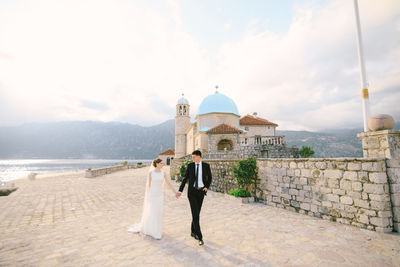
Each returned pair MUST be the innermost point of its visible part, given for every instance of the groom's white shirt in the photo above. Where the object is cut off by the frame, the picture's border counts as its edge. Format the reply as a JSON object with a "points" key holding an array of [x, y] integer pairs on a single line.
{"points": [[200, 176]]}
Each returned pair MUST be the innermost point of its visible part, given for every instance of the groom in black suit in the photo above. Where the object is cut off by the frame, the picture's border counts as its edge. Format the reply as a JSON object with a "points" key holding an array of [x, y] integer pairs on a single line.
{"points": [[198, 173]]}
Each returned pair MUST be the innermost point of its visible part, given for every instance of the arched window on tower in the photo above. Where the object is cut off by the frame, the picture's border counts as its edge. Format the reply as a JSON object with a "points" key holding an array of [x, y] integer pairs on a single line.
{"points": [[184, 110], [180, 110]]}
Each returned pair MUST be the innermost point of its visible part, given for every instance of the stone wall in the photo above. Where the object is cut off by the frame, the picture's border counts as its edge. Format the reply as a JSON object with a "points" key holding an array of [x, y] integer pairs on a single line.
{"points": [[364, 192], [349, 191], [393, 172]]}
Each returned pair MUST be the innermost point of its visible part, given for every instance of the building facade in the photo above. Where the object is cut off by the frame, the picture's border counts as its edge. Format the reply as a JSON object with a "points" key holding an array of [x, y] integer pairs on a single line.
{"points": [[218, 131]]}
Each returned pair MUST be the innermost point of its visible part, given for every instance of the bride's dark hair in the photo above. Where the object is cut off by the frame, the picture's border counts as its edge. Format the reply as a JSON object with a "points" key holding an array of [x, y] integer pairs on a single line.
{"points": [[156, 161]]}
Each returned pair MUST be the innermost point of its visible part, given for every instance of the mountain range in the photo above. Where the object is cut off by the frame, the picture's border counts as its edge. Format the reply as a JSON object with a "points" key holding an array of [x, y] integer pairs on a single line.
{"points": [[116, 140]]}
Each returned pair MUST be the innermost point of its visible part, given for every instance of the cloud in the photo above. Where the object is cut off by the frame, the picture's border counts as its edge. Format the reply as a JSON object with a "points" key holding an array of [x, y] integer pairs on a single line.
{"points": [[53, 54], [308, 77], [121, 60]]}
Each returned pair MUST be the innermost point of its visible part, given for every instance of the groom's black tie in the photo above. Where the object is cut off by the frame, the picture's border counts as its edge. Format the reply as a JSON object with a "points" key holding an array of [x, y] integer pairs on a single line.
{"points": [[196, 183]]}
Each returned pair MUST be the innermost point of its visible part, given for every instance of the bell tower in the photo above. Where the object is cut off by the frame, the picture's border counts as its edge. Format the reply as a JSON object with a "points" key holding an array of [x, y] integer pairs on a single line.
{"points": [[182, 123]]}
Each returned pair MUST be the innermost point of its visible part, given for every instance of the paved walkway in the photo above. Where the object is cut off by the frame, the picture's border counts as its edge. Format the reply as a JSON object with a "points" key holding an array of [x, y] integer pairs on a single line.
{"points": [[69, 220]]}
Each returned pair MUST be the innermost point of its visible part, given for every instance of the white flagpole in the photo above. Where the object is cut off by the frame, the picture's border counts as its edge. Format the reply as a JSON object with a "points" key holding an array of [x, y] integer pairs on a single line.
{"points": [[364, 88]]}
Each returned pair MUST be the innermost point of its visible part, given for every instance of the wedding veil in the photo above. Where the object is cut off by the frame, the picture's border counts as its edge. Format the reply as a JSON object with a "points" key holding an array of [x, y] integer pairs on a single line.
{"points": [[146, 205]]}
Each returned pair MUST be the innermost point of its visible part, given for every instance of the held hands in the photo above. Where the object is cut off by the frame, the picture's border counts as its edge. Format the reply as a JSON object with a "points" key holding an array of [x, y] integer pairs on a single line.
{"points": [[177, 195]]}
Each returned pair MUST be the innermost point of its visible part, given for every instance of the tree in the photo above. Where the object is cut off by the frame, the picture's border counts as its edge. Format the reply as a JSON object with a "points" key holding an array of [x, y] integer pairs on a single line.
{"points": [[306, 152]]}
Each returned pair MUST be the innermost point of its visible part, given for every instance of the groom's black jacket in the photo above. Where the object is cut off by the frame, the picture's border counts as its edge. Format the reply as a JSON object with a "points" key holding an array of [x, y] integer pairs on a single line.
{"points": [[191, 176]]}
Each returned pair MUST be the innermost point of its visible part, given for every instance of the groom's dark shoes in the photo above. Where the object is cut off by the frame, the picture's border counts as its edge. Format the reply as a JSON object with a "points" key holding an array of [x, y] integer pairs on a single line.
{"points": [[194, 236], [201, 242]]}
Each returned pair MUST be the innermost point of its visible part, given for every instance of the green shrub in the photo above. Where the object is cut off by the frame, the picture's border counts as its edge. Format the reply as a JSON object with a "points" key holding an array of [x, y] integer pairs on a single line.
{"points": [[239, 193], [124, 163], [246, 174], [306, 152], [183, 167], [139, 163]]}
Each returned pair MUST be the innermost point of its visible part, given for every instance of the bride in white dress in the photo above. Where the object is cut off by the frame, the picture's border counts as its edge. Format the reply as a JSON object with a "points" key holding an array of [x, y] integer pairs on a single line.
{"points": [[151, 222]]}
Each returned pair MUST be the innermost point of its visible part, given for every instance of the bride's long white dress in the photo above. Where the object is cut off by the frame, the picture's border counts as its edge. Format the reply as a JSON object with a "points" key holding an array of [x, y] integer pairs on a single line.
{"points": [[151, 222]]}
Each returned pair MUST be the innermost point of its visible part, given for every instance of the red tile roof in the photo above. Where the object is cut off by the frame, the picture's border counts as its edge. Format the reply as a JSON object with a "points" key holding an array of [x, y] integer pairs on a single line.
{"points": [[252, 120], [224, 128], [170, 151]]}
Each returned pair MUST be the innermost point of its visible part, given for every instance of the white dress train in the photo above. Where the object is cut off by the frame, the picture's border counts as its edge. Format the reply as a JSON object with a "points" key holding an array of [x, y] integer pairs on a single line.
{"points": [[151, 221]]}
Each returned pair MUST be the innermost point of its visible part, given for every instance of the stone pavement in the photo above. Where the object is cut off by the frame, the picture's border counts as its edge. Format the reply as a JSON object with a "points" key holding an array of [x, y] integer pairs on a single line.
{"points": [[69, 220]]}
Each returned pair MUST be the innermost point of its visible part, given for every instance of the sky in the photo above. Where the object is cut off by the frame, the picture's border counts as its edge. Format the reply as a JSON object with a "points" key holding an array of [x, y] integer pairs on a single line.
{"points": [[294, 62]]}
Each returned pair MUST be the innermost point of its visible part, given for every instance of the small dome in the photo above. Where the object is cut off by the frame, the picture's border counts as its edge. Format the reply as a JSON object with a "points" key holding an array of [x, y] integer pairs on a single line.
{"points": [[217, 103], [183, 101]]}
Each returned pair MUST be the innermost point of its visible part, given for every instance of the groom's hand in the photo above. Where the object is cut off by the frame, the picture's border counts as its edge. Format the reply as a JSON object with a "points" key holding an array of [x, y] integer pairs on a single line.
{"points": [[178, 195], [205, 189]]}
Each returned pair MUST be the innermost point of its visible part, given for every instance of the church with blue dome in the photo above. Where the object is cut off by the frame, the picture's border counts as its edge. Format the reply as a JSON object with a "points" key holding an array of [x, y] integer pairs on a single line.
{"points": [[219, 131]]}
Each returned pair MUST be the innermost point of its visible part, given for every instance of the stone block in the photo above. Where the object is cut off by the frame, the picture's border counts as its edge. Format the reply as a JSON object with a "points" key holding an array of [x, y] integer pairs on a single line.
{"points": [[347, 214], [383, 229], [305, 206], [351, 209], [363, 176], [314, 208], [350, 175], [320, 165], [356, 186], [396, 226], [396, 214], [325, 190], [393, 163], [293, 165], [306, 188], [354, 166], [362, 218], [276, 199], [380, 205], [294, 203], [379, 197], [346, 200], [303, 181], [385, 214], [333, 198], [361, 203], [378, 177], [366, 166], [323, 210], [354, 194], [327, 204], [333, 183], [344, 184], [339, 191], [395, 188], [335, 174], [393, 175], [395, 199], [293, 192], [374, 188], [380, 222]]}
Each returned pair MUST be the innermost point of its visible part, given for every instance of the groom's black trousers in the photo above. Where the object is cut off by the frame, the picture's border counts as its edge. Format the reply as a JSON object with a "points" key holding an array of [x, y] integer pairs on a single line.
{"points": [[196, 201]]}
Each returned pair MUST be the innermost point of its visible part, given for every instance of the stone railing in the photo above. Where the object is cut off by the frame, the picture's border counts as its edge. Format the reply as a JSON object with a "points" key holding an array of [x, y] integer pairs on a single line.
{"points": [[90, 173], [262, 140]]}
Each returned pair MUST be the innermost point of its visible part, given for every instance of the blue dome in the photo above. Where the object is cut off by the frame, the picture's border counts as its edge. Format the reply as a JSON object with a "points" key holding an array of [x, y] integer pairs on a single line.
{"points": [[217, 103]]}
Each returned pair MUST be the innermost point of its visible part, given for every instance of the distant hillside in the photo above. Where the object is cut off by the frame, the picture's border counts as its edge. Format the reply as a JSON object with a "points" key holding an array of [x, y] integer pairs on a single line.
{"points": [[328, 143], [90, 139], [86, 139]]}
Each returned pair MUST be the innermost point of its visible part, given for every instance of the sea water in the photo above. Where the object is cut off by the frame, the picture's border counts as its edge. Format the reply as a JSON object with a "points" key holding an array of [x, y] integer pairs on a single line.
{"points": [[11, 169]]}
